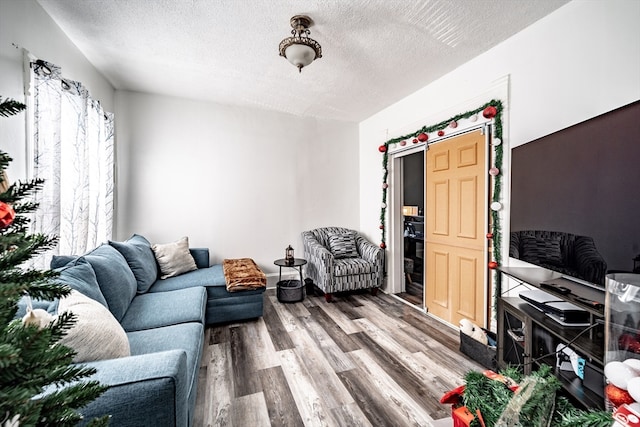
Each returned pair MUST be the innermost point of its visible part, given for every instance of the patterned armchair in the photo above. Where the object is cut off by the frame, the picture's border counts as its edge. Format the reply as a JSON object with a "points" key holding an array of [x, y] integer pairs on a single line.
{"points": [[566, 253], [341, 259]]}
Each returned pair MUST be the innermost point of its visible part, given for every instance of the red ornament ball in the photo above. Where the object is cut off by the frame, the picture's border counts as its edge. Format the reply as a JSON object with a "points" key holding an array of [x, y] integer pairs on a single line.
{"points": [[440, 133], [7, 214], [383, 245], [629, 342], [381, 226], [493, 265], [453, 124], [423, 137], [617, 396], [403, 143], [489, 112], [382, 149], [489, 235], [415, 140]]}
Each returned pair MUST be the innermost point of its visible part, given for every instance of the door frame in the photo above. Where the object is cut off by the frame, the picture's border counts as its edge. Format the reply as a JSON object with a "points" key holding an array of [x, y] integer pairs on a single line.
{"points": [[396, 229], [396, 219]]}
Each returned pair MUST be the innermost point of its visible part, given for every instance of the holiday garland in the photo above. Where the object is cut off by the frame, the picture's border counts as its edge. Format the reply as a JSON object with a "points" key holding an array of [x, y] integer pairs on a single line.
{"points": [[543, 405], [491, 110]]}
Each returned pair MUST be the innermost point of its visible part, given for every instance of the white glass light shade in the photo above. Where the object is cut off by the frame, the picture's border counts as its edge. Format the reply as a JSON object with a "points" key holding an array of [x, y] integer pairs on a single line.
{"points": [[300, 55], [300, 49]]}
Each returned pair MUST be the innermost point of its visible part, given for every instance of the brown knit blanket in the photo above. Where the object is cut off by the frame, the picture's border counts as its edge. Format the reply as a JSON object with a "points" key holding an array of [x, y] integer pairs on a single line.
{"points": [[243, 274]]}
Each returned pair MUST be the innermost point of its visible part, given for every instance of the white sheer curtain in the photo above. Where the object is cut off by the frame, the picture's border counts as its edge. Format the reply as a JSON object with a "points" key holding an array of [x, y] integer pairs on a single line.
{"points": [[73, 152]]}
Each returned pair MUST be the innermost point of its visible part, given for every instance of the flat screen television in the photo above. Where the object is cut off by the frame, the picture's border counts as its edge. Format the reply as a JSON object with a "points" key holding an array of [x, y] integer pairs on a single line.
{"points": [[575, 198]]}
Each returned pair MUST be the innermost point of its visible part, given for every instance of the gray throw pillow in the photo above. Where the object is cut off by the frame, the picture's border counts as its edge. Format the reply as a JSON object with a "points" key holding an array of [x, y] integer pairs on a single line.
{"points": [[343, 245], [137, 251], [79, 275], [174, 258], [116, 280]]}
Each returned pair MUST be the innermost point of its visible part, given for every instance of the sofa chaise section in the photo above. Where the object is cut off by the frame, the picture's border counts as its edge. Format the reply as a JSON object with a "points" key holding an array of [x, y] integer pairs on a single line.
{"points": [[222, 306]]}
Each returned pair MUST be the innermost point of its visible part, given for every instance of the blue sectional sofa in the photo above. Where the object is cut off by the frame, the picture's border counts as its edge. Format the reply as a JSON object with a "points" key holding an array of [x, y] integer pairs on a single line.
{"points": [[164, 321]]}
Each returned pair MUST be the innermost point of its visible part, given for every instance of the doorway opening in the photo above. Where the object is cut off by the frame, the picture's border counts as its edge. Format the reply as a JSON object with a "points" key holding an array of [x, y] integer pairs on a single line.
{"points": [[412, 166], [439, 222]]}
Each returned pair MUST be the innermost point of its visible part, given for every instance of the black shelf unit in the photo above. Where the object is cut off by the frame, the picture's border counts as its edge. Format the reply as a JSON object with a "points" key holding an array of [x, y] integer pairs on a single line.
{"points": [[527, 337], [414, 250]]}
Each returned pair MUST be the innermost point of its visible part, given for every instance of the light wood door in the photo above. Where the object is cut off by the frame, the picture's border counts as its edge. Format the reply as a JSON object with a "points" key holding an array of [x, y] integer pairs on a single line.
{"points": [[455, 238]]}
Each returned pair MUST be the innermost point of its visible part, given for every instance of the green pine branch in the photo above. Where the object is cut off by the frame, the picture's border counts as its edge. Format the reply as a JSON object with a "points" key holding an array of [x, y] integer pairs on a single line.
{"points": [[492, 397], [10, 107], [39, 384], [21, 248], [20, 190]]}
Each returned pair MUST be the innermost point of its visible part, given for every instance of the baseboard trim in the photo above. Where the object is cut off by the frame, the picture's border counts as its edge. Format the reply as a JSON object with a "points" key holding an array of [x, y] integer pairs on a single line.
{"points": [[272, 278]]}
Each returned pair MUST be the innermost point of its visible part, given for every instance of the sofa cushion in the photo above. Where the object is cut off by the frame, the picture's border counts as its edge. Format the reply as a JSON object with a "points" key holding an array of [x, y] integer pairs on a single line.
{"points": [[200, 256], [79, 275], [154, 310], [188, 337], [137, 251], [96, 334], [174, 258], [143, 390], [116, 280], [351, 266], [343, 245], [210, 276], [58, 261]]}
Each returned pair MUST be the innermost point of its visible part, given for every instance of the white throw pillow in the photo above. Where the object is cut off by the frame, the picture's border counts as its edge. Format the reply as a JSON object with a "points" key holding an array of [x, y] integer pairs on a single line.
{"points": [[174, 258], [97, 335]]}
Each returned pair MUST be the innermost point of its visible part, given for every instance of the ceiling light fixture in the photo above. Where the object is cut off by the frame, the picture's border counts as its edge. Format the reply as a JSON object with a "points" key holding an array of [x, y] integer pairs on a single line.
{"points": [[300, 49]]}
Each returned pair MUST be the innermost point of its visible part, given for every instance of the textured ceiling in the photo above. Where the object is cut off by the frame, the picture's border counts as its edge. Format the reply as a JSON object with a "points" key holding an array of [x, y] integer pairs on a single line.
{"points": [[375, 52]]}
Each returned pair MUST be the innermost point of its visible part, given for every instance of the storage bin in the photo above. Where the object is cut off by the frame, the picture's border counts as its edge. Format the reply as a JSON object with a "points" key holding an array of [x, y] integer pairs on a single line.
{"points": [[483, 354], [290, 291]]}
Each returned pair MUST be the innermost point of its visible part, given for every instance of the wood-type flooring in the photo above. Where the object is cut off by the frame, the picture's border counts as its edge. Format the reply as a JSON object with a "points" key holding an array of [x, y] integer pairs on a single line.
{"points": [[414, 294], [361, 360]]}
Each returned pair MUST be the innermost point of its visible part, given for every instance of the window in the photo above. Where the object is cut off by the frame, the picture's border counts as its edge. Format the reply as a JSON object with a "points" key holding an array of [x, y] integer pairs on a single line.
{"points": [[73, 152]]}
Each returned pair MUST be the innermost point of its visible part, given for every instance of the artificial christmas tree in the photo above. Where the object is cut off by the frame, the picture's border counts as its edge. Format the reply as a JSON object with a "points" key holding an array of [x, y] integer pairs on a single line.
{"points": [[39, 385], [510, 399]]}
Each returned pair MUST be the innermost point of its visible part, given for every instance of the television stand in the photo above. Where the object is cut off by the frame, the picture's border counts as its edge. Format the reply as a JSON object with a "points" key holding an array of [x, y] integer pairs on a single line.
{"points": [[528, 338]]}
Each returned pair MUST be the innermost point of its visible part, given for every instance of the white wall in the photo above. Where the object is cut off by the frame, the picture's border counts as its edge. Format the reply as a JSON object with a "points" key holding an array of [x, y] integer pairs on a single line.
{"points": [[246, 182], [243, 182], [24, 24], [579, 62]]}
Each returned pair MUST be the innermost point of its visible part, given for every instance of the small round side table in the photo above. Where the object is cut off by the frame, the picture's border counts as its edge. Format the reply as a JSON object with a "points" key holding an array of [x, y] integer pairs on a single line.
{"points": [[290, 290]]}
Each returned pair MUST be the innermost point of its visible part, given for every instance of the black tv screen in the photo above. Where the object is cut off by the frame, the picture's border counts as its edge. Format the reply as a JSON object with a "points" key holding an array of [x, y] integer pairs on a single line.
{"points": [[575, 198]]}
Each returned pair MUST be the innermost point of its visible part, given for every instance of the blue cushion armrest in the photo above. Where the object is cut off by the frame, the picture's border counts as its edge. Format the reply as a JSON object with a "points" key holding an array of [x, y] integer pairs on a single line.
{"points": [[148, 389], [201, 256]]}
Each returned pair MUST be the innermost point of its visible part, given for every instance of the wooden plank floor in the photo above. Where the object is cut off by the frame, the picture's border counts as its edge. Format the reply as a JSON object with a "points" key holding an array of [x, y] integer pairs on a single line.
{"points": [[361, 360], [414, 292]]}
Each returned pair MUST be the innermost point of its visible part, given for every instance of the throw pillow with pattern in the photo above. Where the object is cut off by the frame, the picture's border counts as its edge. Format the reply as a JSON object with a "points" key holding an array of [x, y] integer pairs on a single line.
{"points": [[343, 245]]}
